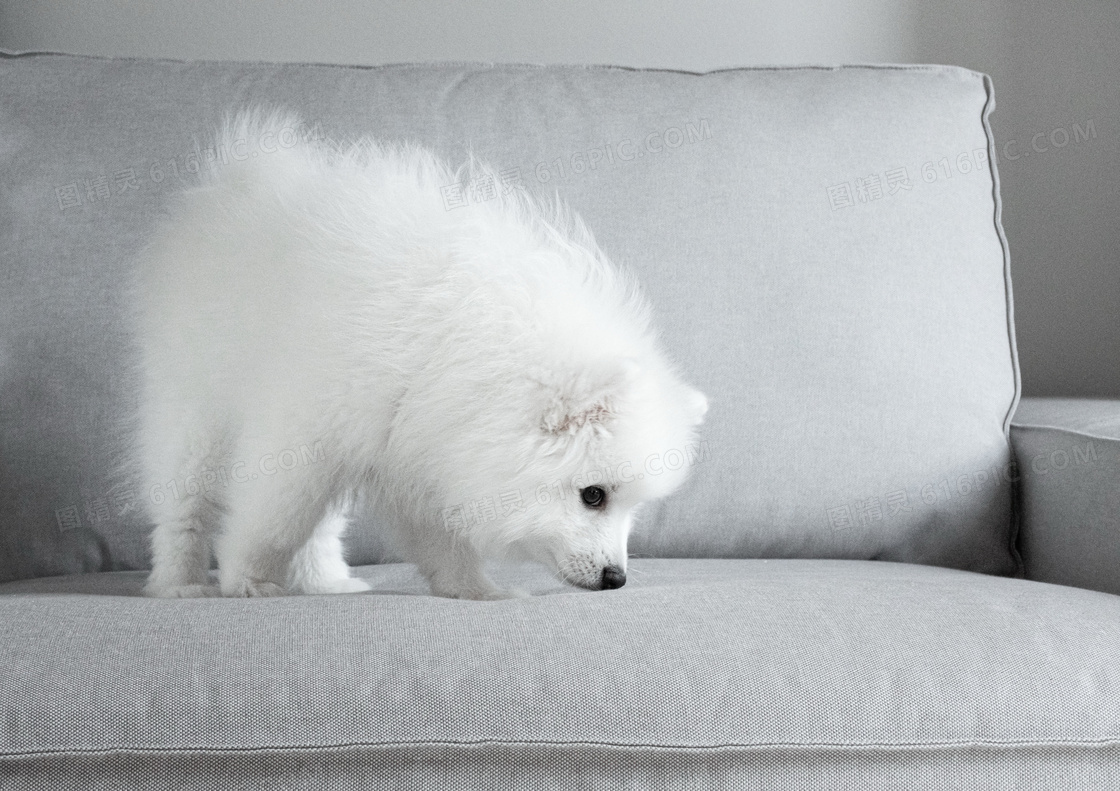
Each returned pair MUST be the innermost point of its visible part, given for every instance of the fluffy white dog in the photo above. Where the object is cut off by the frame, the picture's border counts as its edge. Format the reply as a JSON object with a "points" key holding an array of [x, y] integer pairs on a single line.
{"points": [[315, 323]]}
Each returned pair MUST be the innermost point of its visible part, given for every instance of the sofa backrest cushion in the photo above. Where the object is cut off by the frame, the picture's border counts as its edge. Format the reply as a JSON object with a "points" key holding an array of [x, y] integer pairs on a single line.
{"points": [[821, 245]]}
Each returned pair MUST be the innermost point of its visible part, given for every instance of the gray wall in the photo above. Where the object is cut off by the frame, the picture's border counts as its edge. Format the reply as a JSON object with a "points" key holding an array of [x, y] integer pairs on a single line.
{"points": [[1056, 68]]}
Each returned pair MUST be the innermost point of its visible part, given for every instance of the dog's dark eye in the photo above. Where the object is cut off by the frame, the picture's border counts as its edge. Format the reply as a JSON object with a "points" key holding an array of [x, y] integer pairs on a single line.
{"points": [[593, 496]]}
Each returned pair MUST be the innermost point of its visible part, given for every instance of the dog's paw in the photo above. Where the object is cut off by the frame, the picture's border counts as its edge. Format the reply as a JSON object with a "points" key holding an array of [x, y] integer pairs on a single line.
{"points": [[182, 591], [246, 588], [486, 594], [340, 585]]}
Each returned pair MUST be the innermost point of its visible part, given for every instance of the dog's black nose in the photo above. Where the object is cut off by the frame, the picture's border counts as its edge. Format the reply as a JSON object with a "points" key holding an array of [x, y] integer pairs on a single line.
{"points": [[613, 577]]}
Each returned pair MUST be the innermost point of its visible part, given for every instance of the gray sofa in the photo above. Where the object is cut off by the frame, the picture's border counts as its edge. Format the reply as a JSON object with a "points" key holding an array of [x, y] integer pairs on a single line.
{"points": [[880, 574]]}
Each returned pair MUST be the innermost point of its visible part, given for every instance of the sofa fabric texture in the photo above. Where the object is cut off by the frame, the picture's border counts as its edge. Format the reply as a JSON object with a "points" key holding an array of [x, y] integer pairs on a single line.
{"points": [[814, 670], [821, 245], [1068, 454]]}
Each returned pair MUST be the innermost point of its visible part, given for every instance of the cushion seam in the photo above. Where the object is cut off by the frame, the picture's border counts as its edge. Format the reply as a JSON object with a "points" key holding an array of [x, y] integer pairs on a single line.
{"points": [[484, 65], [1064, 430], [931, 746], [1014, 518]]}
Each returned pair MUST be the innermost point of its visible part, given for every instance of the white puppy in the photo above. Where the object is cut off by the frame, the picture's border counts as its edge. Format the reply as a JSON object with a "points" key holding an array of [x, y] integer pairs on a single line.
{"points": [[319, 321]]}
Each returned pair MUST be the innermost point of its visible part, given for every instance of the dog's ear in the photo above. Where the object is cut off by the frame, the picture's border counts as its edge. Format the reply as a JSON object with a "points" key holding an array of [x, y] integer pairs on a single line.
{"points": [[587, 398]]}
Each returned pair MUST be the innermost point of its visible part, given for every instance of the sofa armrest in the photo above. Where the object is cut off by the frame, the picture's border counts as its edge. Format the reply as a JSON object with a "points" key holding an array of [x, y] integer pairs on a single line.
{"points": [[1068, 454]]}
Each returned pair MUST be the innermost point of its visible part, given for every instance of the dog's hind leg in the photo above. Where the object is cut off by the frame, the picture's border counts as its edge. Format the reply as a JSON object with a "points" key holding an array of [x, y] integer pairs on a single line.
{"points": [[319, 565], [183, 492], [268, 519]]}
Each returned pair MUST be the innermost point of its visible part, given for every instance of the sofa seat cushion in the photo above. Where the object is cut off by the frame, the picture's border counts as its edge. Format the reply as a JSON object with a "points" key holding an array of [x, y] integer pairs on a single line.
{"points": [[739, 670]]}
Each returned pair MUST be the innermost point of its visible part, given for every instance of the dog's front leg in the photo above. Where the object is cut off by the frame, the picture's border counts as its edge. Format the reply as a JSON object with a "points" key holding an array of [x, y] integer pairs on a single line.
{"points": [[453, 567]]}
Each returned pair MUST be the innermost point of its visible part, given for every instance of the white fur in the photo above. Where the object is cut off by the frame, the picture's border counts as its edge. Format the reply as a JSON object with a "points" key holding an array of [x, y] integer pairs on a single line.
{"points": [[317, 311]]}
